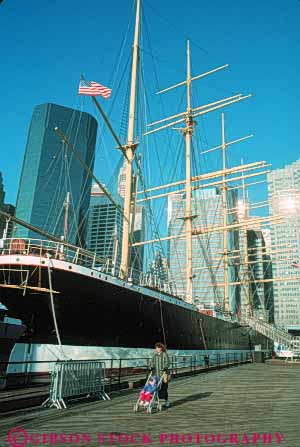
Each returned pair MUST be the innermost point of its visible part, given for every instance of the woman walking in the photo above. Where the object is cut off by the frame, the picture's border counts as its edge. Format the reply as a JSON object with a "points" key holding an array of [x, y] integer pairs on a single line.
{"points": [[159, 364]]}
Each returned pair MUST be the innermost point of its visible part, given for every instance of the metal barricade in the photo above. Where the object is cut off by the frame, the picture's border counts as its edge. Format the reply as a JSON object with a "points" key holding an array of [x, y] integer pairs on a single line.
{"points": [[71, 379]]}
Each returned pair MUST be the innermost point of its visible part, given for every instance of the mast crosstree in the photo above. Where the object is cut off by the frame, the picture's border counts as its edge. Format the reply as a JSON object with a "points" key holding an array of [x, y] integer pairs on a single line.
{"points": [[188, 131], [129, 151], [188, 117]]}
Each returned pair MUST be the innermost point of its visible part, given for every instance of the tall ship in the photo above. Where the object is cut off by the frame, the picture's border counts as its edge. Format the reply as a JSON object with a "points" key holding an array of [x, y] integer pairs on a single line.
{"points": [[85, 305]]}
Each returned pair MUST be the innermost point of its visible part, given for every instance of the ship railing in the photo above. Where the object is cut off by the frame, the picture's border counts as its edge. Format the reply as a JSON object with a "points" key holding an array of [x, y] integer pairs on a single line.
{"points": [[79, 256], [48, 249], [74, 255], [153, 282]]}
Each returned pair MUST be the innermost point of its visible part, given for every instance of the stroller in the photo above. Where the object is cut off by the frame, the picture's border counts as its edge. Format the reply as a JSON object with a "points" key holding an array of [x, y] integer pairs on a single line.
{"points": [[154, 403]]}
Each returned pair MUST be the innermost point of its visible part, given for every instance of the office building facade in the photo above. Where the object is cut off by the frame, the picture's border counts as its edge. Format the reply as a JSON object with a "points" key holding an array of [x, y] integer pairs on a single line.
{"points": [[51, 173], [6, 225], [259, 264], [2, 196], [9, 226], [104, 235], [284, 199], [208, 249], [255, 268], [158, 274]]}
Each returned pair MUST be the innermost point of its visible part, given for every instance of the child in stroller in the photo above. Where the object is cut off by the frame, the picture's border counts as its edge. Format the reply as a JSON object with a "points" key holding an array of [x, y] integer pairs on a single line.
{"points": [[149, 389], [148, 398]]}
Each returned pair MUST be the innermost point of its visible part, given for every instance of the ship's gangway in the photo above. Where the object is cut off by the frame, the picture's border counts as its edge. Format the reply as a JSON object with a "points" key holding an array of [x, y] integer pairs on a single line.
{"points": [[276, 334]]}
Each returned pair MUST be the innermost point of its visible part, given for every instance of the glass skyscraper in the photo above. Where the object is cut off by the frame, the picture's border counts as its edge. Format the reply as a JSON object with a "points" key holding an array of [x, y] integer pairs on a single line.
{"points": [[105, 230], [258, 267], [6, 226], [50, 171], [9, 224], [207, 249], [138, 235], [284, 197], [158, 274], [104, 236], [255, 266]]}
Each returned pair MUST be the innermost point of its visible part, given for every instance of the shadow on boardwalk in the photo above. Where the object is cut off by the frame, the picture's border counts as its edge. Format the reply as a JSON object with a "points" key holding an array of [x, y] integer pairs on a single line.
{"points": [[190, 398]]}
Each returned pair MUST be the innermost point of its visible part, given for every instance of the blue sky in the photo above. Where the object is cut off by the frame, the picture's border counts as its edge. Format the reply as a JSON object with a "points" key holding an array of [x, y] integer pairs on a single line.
{"points": [[46, 45]]}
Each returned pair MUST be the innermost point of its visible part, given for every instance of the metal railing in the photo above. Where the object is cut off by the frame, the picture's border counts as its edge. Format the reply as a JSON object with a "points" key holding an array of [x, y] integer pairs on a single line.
{"points": [[75, 255], [196, 362], [71, 379], [63, 252], [79, 256], [122, 371], [50, 249]]}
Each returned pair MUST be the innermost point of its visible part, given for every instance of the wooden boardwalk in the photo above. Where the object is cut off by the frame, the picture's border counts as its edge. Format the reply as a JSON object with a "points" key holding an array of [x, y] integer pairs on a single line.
{"points": [[247, 399]]}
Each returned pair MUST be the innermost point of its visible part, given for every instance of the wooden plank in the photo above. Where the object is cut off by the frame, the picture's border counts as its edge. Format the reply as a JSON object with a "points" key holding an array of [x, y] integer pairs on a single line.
{"points": [[252, 398]]}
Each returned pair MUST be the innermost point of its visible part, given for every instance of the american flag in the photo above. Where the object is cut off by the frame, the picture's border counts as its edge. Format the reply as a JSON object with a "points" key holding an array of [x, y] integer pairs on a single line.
{"points": [[92, 88], [295, 264]]}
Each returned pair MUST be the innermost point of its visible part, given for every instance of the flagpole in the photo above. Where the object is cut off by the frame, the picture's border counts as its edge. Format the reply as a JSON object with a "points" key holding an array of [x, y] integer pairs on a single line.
{"points": [[106, 120], [120, 146]]}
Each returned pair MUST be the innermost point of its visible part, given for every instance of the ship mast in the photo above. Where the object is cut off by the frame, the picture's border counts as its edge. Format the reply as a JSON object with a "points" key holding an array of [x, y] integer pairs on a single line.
{"points": [[225, 231], [130, 147], [188, 117], [188, 131], [247, 283], [66, 205]]}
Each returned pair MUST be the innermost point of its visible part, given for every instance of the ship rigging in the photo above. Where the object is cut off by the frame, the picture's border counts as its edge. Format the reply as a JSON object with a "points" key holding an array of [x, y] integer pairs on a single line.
{"points": [[85, 285]]}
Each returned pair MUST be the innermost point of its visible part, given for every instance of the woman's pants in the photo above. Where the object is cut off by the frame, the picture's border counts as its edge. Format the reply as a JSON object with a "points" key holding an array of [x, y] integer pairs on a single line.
{"points": [[163, 391]]}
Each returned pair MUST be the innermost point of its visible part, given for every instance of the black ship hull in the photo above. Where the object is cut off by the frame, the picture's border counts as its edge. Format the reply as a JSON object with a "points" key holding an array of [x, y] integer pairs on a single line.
{"points": [[94, 309]]}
